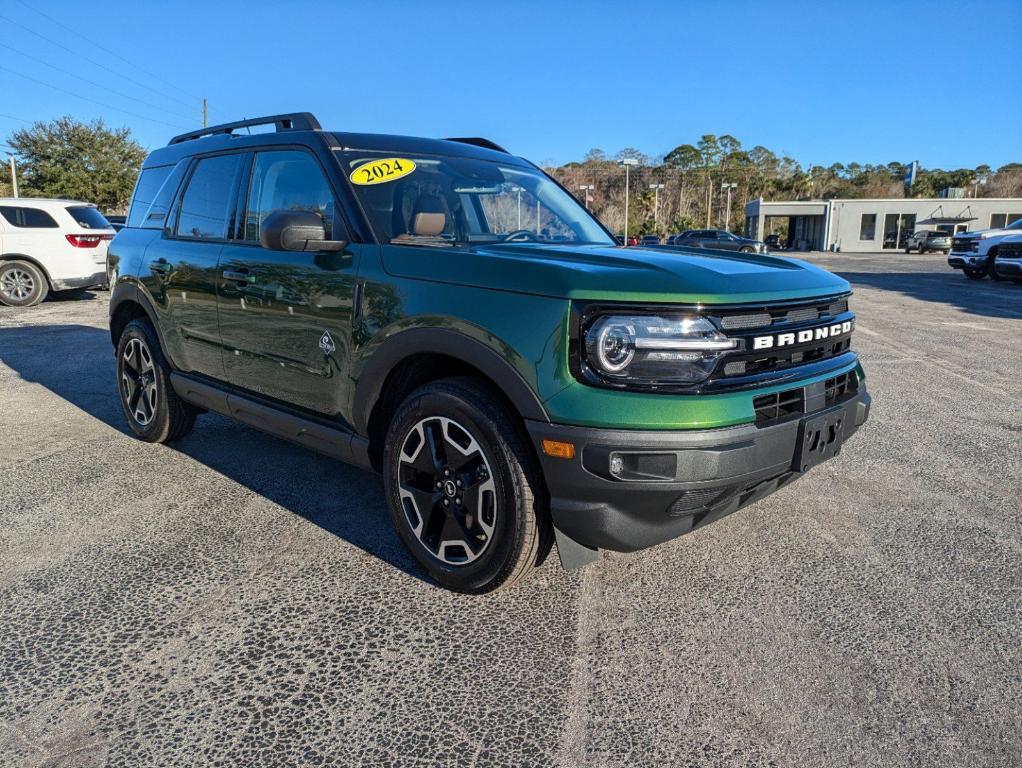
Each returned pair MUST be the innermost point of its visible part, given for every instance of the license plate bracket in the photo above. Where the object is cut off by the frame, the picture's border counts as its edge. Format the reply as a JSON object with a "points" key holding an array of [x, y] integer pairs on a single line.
{"points": [[819, 438]]}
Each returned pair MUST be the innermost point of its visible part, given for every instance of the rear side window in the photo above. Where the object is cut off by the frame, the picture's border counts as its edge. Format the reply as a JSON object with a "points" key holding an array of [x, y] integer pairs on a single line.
{"points": [[27, 218], [206, 203], [149, 183], [87, 217]]}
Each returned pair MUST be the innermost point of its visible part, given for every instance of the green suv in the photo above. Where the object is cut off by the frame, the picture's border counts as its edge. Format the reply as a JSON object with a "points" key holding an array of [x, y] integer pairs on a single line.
{"points": [[445, 313]]}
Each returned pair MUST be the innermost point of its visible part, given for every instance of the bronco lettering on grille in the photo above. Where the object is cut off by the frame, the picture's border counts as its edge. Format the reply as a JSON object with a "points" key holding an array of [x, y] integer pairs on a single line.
{"points": [[803, 337]]}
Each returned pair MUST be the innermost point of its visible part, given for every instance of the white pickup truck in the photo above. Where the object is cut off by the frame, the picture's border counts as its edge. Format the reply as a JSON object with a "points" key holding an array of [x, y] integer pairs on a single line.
{"points": [[975, 252], [1008, 261]]}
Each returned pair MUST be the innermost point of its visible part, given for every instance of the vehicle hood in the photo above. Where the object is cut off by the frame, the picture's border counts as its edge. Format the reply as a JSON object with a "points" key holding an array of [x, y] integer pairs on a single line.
{"points": [[983, 234], [612, 273]]}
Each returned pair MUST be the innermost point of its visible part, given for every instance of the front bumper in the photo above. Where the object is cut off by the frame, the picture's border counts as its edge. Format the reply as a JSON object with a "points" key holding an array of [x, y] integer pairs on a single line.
{"points": [[683, 480], [1009, 267], [68, 283], [961, 260]]}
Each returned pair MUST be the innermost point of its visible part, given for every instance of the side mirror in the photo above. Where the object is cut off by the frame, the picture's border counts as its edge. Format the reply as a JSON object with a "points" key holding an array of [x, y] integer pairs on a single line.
{"points": [[296, 231]]}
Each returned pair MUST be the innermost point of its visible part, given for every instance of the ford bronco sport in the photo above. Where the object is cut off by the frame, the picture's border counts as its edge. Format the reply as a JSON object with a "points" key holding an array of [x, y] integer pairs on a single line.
{"points": [[445, 313]]}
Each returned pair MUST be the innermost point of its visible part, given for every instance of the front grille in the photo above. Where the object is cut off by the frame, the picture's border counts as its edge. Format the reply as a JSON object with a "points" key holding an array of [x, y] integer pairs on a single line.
{"points": [[840, 387], [965, 244], [777, 360], [769, 317], [771, 408], [1010, 251]]}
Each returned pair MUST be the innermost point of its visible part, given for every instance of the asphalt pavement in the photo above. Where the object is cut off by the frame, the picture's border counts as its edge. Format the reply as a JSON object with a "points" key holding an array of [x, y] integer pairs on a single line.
{"points": [[236, 600]]}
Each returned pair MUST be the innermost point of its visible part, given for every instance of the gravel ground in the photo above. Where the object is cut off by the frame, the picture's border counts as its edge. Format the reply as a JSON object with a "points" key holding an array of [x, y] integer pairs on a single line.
{"points": [[236, 600]]}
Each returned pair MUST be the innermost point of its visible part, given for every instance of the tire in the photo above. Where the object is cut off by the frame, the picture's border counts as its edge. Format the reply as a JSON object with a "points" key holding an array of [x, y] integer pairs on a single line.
{"points": [[992, 266], [157, 414], [974, 273], [746, 249], [446, 439], [22, 284]]}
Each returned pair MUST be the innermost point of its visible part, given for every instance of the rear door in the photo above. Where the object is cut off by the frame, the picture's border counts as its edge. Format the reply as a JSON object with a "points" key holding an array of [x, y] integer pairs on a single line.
{"points": [[180, 268], [286, 317]]}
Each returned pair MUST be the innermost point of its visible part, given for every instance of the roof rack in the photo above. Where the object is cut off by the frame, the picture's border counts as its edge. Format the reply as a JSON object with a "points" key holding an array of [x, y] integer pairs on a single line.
{"points": [[292, 121], [479, 142]]}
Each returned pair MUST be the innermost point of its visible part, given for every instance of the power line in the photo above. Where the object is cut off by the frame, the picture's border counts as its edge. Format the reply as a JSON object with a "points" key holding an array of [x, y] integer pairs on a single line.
{"points": [[94, 83], [93, 61], [87, 98], [19, 119], [94, 44]]}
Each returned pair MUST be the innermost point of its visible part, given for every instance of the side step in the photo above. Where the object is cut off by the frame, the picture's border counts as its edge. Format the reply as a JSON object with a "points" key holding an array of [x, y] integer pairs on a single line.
{"points": [[335, 442]]}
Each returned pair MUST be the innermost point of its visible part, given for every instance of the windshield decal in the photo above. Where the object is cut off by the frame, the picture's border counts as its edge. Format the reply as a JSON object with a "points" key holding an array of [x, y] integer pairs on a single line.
{"points": [[381, 171]]}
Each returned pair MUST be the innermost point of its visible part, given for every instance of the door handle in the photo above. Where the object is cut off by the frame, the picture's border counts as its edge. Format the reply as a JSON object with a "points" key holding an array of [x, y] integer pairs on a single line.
{"points": [[160, 267], [241, 276]]}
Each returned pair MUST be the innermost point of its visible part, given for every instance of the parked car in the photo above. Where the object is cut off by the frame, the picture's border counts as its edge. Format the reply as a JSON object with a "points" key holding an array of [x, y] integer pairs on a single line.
{"points": [[672, 238], [331, 289], [773, 241], [117, 222], [650, 240], [50, 245], [975, 253], [926, 240], [720, 240], [632, 239], [1008, 260]]}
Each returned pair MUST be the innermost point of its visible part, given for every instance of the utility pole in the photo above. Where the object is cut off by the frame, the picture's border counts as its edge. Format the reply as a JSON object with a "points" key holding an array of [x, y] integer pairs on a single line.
{"points": [[519, 191], [627, 162], [729, 186], [656, 205], [586, 188], [14, 174], [205, 114]]}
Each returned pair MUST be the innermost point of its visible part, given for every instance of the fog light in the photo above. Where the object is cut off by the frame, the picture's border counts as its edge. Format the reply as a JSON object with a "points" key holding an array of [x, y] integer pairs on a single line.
{"points": [[617, 465]]}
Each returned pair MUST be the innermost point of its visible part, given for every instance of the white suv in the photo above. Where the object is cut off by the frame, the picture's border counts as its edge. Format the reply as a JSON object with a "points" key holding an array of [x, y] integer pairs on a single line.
{"points": [[50, 245]]}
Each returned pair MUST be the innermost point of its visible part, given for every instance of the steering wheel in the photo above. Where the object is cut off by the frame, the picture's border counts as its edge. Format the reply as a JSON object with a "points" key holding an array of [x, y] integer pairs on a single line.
{"points": [[511, 236]]}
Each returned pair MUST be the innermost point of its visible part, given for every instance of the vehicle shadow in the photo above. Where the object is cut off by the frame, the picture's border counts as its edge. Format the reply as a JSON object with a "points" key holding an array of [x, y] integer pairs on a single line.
{"points": [[979, 297], [76, 363]]}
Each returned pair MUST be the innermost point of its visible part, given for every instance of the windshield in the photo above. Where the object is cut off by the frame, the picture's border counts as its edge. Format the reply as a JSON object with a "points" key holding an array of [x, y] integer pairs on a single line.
{"points": [[444, 201]]}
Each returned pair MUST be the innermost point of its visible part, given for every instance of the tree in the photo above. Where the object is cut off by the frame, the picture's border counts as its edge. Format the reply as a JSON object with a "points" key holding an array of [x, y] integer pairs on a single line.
{"points": [[70, 159]]}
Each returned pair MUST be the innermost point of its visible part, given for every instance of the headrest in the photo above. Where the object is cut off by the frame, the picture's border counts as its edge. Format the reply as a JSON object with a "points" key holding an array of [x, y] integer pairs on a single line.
{"points": [[428, 219]]}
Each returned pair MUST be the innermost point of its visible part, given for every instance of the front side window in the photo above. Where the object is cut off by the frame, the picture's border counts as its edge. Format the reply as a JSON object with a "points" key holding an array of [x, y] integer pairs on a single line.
{"points": [[287, 180], [27, 218], [206, 203], [437, 200]]}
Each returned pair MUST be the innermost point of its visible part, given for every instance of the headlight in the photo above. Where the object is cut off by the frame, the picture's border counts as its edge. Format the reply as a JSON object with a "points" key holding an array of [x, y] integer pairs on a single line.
{"points": [[654, 349]]}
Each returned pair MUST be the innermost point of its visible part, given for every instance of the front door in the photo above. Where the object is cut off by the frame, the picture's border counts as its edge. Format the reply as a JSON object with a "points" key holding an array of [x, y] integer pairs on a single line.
{"points": [[286, 317], [180, 268]]}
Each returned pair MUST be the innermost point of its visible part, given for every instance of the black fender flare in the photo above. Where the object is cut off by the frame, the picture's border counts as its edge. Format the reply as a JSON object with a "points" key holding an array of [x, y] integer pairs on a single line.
{"points": [[127, 292], [442, 341], [35, 263]]}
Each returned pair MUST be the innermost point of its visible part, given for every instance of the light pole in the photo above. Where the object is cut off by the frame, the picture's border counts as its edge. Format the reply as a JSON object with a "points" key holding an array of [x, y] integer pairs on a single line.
{"points": [[656, 205], [14, 174], [627, 162], [587, 188], [519, 191], [729, 186]]}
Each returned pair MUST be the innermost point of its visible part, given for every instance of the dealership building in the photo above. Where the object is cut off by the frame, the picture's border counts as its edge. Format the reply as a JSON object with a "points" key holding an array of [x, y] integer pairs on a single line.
{"points": [[875, 225]]}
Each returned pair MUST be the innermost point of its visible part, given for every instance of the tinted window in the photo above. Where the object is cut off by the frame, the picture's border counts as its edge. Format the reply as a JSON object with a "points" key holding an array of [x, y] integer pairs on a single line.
{"points": [[149, 183], [288, 180], [29, 218], [206, 204], [87, 217], [868, 227]]}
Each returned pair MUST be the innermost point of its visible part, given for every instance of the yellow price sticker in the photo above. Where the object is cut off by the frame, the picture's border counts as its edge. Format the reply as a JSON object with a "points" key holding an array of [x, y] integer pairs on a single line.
{"points": [[382, 171]]}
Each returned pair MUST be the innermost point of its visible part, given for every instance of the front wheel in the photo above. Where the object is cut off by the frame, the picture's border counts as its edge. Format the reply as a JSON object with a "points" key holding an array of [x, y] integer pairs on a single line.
{"points": [[22, 284], [975, 273], [747, 249], [992, 267], [463, 487]]}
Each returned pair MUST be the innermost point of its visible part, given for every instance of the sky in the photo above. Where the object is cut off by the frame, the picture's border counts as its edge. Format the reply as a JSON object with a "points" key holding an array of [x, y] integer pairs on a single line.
{"points": [[823, 82]]}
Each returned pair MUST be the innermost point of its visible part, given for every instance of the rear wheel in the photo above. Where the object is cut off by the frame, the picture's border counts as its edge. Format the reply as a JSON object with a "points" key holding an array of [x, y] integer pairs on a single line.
{"points": [[22, 284], [154, 411], [747, 249], [463, 487]]}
